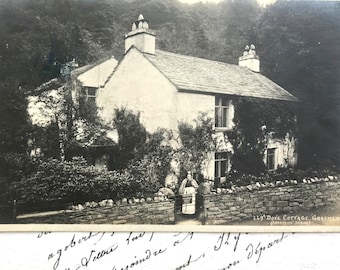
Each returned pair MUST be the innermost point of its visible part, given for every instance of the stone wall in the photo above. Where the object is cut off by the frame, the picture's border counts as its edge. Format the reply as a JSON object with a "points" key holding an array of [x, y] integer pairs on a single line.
{"points": [[247, 203], [148, 212], [221, 207]]}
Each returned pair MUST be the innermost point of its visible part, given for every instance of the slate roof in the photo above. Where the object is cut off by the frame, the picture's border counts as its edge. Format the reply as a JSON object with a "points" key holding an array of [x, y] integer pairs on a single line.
{"points": [[202, 75]]}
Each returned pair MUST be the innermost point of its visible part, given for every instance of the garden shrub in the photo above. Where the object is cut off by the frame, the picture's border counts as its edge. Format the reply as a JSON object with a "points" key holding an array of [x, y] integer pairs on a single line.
{"points": [[77, 182], [152, 162], [197, 142], [13, 167]]}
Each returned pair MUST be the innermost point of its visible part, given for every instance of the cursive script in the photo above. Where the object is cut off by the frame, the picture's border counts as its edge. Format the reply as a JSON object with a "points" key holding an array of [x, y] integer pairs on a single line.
{"points": [[148, 250], [148, 254], [41, 234], [225, 239], [259, 248], [72, 243], [97, 255]]}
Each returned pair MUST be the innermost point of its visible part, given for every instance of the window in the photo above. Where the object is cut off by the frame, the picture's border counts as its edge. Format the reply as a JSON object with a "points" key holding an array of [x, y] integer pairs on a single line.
{"points": [[101, 161], [271, 160], [222, 112], [91, 93], [221, 165]]}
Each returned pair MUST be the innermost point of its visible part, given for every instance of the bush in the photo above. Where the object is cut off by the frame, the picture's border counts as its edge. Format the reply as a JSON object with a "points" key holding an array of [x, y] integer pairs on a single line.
{"points": [[77, 182], [152, 164], [197, 142], [13, 167]]}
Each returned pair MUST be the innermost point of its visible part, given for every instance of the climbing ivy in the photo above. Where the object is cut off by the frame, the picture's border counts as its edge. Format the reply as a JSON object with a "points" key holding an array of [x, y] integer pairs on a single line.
{"points": [[255, 120], [197, 142]]}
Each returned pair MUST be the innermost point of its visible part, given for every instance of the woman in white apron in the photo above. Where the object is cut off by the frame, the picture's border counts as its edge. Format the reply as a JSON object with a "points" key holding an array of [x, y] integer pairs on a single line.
{"points": [[188, 189]]}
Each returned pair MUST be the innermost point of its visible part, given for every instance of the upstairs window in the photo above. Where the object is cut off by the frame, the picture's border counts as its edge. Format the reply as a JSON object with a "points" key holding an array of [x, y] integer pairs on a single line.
{"points": [[222, 113], [91, 94], [271, 159]]}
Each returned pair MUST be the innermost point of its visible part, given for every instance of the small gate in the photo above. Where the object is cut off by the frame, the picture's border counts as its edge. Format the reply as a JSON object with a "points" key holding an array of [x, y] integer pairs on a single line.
{"points": [[199, 209]]}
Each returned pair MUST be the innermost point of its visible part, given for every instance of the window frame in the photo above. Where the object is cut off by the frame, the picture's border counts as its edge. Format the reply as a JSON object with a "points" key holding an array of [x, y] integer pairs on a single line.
{"points": [[91, 97], [271, 159], [222, 113], [220, 158]]}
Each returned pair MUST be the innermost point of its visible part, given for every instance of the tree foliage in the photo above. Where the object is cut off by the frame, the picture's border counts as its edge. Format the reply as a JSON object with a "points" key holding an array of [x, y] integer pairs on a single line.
{"points": [[299, 45], [254, 121], [131, 135], [14, 126], [197, 143], [146, 156]]}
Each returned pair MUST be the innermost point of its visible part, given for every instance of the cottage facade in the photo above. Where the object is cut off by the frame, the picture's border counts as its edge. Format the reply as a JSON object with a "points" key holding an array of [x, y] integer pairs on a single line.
{"points": [[47, 104], [167, 88]]}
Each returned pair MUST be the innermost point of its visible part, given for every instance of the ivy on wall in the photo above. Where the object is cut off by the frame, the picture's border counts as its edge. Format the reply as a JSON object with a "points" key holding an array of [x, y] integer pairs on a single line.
{"points": [[197, 142], [255, 120]]}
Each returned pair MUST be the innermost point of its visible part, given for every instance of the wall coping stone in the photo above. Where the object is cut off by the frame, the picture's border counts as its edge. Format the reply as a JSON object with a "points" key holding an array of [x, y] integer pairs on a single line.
{"points": [[306, 182]]}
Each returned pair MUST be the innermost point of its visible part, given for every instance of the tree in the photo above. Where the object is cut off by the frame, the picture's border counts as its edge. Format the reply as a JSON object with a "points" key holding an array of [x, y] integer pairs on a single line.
{"points": [[154, 157], [298, 42], [13, 120], [14, 130], [197, 143], [255, 120], [131, 134]]}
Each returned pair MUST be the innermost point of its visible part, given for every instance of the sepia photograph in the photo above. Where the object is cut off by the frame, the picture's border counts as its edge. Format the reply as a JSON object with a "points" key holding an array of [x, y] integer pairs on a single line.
{"points": [[175, 112]]}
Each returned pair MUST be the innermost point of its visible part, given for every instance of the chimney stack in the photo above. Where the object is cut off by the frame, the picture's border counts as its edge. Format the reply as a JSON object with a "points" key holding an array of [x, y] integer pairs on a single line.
{"points": [[141, 37], [249, 59]]}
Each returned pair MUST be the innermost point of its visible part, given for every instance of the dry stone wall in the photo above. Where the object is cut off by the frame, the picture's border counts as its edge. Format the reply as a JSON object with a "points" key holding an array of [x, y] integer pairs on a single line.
{"points": [[246, 203], [221, 207], [122, 212]]}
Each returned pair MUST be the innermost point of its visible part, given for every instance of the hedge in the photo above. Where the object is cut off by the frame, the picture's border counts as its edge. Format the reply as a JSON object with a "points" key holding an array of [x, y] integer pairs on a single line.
{"points": [[75, 182]]}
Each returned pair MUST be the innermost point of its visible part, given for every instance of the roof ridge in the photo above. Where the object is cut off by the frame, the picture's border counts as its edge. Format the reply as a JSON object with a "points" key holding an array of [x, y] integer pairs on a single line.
{"points": [[194, 57], [209, 76], [83, 69]]}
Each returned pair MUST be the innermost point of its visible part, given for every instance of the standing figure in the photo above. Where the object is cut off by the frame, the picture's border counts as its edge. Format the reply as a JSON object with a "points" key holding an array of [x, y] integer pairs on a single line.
{"points": [[188, 189]]}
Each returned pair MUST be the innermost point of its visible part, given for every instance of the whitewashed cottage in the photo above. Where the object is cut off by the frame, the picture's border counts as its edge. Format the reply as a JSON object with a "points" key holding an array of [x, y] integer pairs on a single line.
{"points": [[168, 88]]}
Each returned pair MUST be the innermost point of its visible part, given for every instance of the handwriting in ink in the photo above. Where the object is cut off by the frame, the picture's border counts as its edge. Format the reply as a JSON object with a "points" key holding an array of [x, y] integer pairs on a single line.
{"points": [[132, 237], [230, 265], [190, 260], [41, 234], [138, 261], [224, 240], [188, 236], [72, 244], [221, 241], [151, 236], [98, 255], [237, 238], [261, 248]]}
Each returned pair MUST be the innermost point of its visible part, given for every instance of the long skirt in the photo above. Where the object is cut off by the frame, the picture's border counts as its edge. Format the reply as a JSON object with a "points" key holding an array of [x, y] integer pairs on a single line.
{"points": [[189, 201]]}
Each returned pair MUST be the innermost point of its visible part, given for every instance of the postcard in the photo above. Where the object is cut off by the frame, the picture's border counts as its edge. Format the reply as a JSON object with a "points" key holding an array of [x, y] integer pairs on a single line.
{"points": [[169, 116]]}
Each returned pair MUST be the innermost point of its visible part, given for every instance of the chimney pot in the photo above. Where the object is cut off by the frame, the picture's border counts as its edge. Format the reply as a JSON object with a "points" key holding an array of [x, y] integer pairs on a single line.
{"points": [[249, 59], [134, 27], [140, 17], [141, 37]]}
